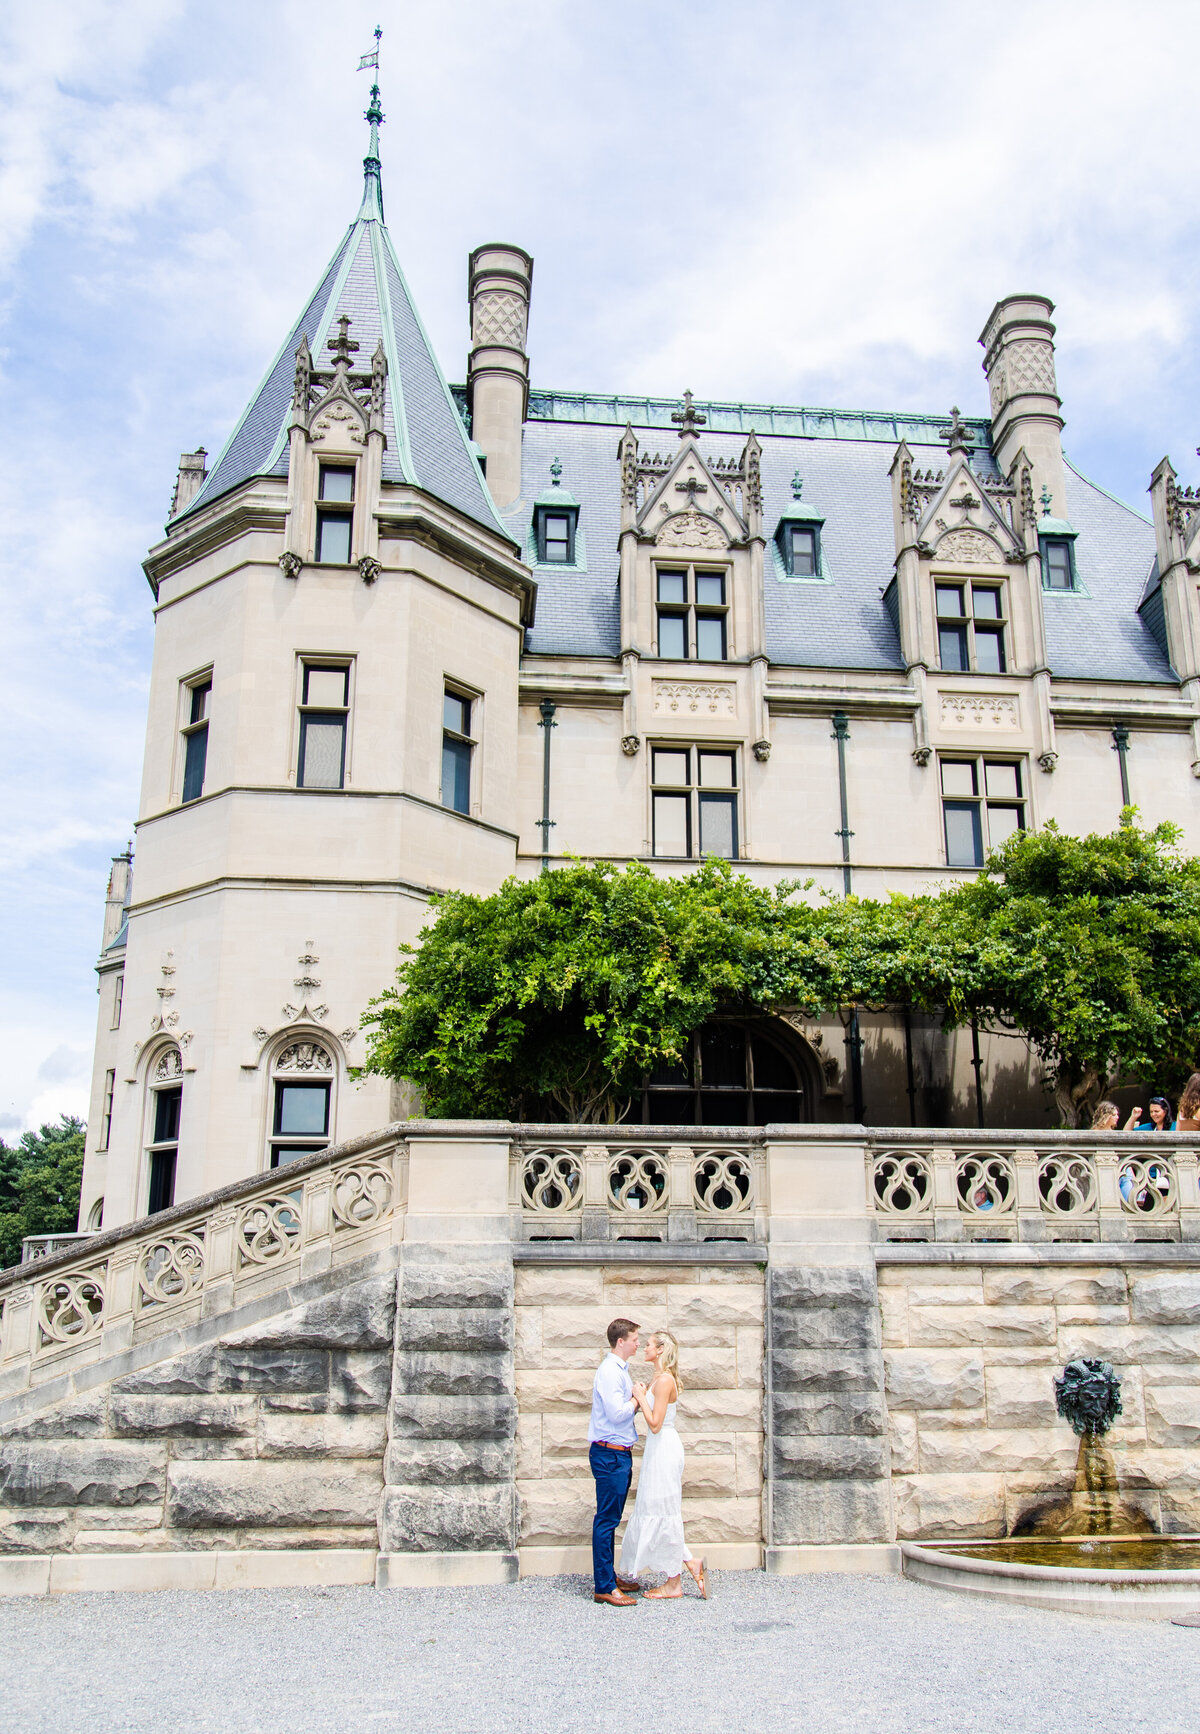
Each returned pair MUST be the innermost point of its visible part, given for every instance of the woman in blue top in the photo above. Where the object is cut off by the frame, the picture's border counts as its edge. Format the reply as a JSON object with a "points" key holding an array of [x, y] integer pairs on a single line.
{"points": [[1160, 1117]]}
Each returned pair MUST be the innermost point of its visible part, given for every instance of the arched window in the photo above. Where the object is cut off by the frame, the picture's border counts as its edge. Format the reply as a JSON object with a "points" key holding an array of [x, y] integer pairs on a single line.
{"points": [[164, 1109], [734, 1074], [301, 1116]]}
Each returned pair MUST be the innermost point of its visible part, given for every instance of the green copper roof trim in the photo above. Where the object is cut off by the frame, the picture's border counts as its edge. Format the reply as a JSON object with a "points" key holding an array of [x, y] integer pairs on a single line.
{"points": [[379, 239], [557, 496], [801, 512]]}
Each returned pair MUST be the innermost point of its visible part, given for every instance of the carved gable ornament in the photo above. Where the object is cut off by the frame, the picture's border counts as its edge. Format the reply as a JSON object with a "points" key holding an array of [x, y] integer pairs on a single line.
{"points": [[684, 500], [338, 408], [691, 530], [964, 519], [968, 548]]}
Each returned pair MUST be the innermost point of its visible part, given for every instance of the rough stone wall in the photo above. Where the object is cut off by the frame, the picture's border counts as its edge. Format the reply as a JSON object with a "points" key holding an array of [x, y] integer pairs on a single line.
{"points": [[270, 1437], [970, 1355], [828, 1448], [716, 1313]]}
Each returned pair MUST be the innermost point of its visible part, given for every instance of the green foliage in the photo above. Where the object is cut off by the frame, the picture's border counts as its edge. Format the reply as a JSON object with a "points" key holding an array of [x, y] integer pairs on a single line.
{"points": [[40, 1177], [558, 993]]}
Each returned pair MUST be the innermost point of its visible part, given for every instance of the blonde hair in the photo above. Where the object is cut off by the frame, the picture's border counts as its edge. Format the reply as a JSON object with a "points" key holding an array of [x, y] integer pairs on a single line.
{"points": [[1104, 1112], [668, 1359], [1189, 1102]]}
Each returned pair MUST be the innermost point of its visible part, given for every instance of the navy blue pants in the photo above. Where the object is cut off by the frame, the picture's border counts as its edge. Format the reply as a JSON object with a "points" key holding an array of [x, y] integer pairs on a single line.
{"points": [[612, 1471]]}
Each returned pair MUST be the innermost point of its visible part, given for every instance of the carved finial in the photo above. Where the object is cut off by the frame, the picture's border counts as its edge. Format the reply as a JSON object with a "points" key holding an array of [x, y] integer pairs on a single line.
{"points": [[343, 345], [379, 369], [1046, 497], [303, 377], [689, 419], [555, 473], [957, 436], [797, 484]]}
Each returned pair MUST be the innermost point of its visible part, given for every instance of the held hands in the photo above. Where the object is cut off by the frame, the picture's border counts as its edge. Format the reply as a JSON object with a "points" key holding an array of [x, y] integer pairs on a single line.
{"points": [[639, 1393]]}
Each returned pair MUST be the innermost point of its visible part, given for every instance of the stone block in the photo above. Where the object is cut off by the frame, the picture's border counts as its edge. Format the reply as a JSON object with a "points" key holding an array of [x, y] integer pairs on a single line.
{"points": [[709, 1305], [466, 1518], [465, 1328], [557, 1511], [567, 1286], [450, 1374], [529, 1447], [1175, 1343], [1020, 1397], [837, 1327], [965, 1291], [711, 1477], [452, 1417], [164, 1417], [707, 1520], [829, 1511], [40, 1530], [1142, 1468], [78, 1418], [464, 1284], [712, 1370], [216, 1368], [748, 1459], [893, 1316], [564, 1435], [281, 1435], [146, 1518], [803, 1286], [933, 1378], [1173, 1415], [81, 1472], [360, 1379], [527, 1337], [575, 1336], [412, 1462], [272, 1494], [705, 1336], [902, 1443], [1170, 1373], [1049, 1287], [1023, 1450], [828, 1412], [1016, 1327], [1091, 1315], [724, 1411], [550, 1391], [949, 1507], [1167, 1298], [359, 1316], [641, 1301], [802, 1369], [813, 1457], [749, 1352]]}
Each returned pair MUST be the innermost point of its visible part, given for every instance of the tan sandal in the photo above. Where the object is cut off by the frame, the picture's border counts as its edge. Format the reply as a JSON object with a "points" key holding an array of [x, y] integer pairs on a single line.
{"points": [[663, 1595], [700, 1578]]}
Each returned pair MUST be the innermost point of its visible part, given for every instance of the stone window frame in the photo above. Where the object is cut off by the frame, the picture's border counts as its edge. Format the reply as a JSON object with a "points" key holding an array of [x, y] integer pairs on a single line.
{"points": [[694, 789], [194, 715], [691, 610], [322, 661], [981, 801], [299, 1036], [331, 507]]}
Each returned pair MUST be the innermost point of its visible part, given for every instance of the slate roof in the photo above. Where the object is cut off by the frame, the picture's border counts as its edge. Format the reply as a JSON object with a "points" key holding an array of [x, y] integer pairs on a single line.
{"points": [[427, 444], [839, 620]]}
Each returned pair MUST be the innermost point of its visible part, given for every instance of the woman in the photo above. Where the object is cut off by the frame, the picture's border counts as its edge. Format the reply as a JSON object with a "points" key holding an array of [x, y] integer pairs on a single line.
{"points": [[1160, 1117], [654, 1540], [1189, 1106], [1106, 1118]]}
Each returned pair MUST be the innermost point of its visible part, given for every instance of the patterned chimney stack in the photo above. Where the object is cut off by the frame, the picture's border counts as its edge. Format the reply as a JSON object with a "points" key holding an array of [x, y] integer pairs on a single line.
{"points": [[1018, 345], [500, 286]]}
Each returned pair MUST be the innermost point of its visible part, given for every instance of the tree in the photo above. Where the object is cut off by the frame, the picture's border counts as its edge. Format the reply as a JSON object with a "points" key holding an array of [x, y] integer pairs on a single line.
{"points": [[40, 1179]]}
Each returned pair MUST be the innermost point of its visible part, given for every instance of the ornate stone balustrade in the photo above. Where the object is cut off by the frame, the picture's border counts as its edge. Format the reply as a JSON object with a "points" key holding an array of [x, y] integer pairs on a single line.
{"points": [[563, 1186], [197, 1260], [1027, 1186]]}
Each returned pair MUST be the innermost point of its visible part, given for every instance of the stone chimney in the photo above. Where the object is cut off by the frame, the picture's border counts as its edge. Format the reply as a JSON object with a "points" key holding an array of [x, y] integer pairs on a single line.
{"points": [[500, 287], [189, 481], [1018, 345], [116, 900]]}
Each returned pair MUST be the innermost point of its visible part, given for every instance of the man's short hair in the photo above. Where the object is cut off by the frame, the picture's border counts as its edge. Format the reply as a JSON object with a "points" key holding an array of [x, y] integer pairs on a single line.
{"points": [[618, 1329]]}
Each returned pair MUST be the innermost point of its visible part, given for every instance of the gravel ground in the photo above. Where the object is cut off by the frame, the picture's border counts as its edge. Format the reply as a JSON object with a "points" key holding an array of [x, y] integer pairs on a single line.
{"points": [[819, 1654]]}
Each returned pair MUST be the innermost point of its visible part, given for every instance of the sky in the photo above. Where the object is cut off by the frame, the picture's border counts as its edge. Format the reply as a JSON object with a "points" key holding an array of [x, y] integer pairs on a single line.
{"points": [[791, 201]]}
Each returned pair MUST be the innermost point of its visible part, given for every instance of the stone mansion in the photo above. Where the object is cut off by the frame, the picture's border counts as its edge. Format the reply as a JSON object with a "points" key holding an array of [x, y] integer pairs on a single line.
{"points": [[412, 636]]}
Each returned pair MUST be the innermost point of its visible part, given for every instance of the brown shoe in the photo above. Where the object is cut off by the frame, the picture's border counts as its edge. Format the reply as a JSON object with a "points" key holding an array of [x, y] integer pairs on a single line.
{"points": [[616, 1599], [630, 1585]]}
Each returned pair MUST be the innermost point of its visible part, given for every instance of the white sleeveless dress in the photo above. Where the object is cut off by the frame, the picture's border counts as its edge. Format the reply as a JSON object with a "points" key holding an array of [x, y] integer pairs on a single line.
{"points": [[654, 1539]]}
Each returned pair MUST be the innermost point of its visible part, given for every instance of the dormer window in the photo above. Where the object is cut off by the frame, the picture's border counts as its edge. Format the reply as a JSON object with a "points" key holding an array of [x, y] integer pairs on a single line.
{"points": [[555, 522], [798, 535], [335, 514], [1058, 563], [801, 553]]}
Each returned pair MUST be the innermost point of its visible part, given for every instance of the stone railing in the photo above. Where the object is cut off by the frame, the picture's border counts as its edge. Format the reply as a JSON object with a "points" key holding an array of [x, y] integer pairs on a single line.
{"points": [[639, 1183], [198, 1259], [1032, 1186]]}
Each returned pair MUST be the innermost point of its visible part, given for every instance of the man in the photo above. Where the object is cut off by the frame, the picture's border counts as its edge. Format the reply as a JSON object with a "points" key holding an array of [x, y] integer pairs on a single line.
{"points": [[611, 1439]]}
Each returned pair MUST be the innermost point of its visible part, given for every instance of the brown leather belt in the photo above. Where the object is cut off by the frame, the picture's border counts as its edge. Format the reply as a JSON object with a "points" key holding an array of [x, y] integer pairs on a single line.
{"points": [[607, 1445]]}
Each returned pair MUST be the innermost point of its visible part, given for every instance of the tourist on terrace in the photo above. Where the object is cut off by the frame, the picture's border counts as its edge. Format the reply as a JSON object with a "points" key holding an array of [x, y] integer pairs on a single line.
{"points": [[1106, 1118], [1189, 1106], [1160, 1117]]}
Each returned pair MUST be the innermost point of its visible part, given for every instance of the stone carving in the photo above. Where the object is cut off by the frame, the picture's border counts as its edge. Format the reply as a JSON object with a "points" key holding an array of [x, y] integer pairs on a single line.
{"points": [[348, 1035], [290, 564], [304, 1057], [717, 698], [1088, 1395], [1029, 366], [369, 568], [170, 1065], [903, 1183], [630, 744], [260, 1035], [340, 413], [307, 982], [499, 319], [70, 1308], [722, 1183], [362, 1194], [551, 1181], [637, 1182], [687, 418], [968, 710], [303, 379], [1047, 760], [690, 530], [1066, 1184], [170, 1269], [762, 751], [268, 1230], [984, 1183], [922, 756], [968, 548]]}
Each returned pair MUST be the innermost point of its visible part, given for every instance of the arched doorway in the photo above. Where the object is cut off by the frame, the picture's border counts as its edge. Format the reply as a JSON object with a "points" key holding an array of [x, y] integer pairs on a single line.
{"points": [[738, 1072]]}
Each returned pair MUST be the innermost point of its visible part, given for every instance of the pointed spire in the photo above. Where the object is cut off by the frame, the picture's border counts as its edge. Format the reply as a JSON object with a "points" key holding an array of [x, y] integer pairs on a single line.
{"points": [[372, 201]]}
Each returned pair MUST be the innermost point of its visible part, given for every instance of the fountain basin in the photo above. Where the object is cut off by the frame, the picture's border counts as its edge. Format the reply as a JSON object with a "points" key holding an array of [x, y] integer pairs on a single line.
{"points": [[1136, 1591]]}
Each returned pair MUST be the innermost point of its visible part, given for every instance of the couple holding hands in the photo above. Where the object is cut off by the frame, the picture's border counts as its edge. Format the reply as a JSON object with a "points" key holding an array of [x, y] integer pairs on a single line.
{"points": [[654, 1539]]}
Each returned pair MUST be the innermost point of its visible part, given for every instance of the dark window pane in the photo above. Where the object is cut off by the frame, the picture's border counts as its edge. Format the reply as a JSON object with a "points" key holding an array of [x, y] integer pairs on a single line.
{"points": [[672, 587], [1058, 565], [456, 714], [718, 826], [772, 1069], [556, 537], [671, 825], [724, 1108], [952, 647], [456, 775], [722, 1057], [949, 600], [986, 602], [671, 1073], [336, 484], [785, 1105], [989, 650], [710, 589], [322, 751], [804, 553], [200, 698], [194, 762], [964, 836], [333, 538], [710, 637], [283, 1153], [670, 1108], [162, 1180], [301, 1108], [672, 636], [166, 1115]]}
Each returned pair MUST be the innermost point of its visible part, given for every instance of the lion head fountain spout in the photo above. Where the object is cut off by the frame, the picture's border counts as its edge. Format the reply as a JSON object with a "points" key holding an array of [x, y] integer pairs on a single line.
{"points": [[1088, 1396]]}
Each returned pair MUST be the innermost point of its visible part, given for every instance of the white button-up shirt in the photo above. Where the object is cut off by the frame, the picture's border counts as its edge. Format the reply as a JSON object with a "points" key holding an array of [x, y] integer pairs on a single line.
{"points": [[613, 1407]]}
